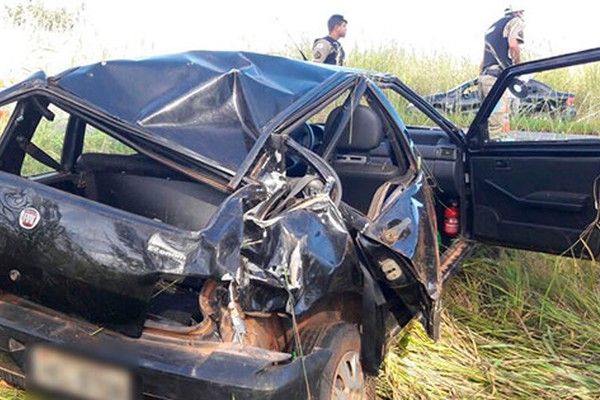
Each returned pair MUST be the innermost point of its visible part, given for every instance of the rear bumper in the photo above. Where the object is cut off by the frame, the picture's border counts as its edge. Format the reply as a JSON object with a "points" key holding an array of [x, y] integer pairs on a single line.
{"points": [[164, 369]]}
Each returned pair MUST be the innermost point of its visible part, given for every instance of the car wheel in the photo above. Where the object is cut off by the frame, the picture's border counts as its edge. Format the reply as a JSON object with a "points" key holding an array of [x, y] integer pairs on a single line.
{"points": [[343, 377], [568, 114]]}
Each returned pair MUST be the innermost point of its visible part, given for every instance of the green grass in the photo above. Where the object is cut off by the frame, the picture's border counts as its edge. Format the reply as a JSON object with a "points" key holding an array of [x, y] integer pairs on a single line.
{"points": [[425, 74], [9, 393], [439, 72], [522, 325]]}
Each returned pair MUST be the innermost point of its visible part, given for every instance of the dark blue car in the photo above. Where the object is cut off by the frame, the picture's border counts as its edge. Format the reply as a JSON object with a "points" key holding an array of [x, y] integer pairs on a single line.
{"points": [[537, 97]]}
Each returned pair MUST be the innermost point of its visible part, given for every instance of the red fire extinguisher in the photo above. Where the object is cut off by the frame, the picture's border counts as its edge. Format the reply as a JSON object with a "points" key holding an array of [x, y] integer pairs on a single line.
{"points": [[451, 220]]}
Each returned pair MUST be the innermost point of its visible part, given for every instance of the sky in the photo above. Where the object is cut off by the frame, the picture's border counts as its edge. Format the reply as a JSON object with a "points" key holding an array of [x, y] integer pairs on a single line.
{"points": [[133, 28]]}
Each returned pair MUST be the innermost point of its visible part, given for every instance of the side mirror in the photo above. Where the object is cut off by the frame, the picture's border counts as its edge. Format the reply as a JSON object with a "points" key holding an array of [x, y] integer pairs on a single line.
{"points": [[518, 88]]}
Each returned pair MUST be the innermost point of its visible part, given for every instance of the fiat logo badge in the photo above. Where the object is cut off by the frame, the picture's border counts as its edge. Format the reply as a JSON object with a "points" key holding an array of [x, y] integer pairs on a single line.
{"points": [[29, 218]]}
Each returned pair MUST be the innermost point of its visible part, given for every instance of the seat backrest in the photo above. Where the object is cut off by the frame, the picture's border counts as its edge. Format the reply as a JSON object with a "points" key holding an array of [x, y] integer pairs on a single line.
{"points": [[145, 187], [363, 132], [358, 158]]}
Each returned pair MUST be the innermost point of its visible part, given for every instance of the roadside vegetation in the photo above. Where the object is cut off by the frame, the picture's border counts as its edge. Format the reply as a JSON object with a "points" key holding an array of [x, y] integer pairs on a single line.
{"points": [[515, 325], [9, 393], [440, 72]]}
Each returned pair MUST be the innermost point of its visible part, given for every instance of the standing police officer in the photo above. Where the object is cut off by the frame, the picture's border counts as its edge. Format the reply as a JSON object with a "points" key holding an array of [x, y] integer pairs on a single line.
{"points": [[502, 49], [327, 49]]}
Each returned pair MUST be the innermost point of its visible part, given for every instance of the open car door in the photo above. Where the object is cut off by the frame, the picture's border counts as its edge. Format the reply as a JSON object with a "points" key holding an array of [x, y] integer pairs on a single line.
{"points": [[534, 182]]}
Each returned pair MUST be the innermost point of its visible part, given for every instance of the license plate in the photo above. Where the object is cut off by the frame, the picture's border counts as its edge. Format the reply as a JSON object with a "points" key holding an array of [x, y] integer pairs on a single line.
{"points": [[71, 375]]}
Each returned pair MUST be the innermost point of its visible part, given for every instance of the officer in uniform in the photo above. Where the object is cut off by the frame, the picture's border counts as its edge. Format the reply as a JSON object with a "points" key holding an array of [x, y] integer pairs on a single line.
{"points": [[327, 49], [502, 49]]}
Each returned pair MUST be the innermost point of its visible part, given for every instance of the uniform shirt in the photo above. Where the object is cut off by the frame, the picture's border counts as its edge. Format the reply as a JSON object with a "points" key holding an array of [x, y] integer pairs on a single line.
{"points": [[514, 30], [496, 52], [327, 50]]}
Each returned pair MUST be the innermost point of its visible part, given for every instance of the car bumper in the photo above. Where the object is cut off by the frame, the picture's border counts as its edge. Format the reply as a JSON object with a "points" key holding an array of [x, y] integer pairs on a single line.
{"points": [[162, 368]]}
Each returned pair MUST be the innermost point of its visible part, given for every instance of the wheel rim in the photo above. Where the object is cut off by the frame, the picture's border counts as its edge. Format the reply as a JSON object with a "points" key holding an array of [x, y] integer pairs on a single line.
{"points": [[348, 381]]}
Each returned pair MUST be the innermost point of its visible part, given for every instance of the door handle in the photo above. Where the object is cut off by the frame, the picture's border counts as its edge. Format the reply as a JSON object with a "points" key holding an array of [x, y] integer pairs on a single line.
{"points": [[502, 165]]}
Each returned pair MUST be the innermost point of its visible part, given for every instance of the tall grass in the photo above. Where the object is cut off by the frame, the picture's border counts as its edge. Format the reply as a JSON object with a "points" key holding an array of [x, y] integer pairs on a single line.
{"points": [[10, 393], [440, 72], [425, 74], [520, 325]]}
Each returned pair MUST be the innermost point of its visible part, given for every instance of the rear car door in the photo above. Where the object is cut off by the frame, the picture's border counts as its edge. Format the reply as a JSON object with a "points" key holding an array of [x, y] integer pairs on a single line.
{"points": [[533, 183]]}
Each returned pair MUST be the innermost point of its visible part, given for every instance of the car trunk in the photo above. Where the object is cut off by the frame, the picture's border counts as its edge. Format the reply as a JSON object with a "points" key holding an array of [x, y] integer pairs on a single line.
{"points": [[104, 251]]}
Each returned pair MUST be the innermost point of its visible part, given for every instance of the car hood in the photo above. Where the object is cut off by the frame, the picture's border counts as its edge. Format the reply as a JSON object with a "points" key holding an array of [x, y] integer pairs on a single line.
{"points": [[184, 101]]}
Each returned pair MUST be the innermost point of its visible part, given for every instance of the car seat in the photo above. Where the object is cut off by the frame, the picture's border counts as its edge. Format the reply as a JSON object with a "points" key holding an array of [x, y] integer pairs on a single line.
{"points": [[361, 157]]}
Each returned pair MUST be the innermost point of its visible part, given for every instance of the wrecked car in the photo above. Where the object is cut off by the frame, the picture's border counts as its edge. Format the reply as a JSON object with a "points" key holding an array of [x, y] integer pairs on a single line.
{"points": [[535, 97], [235, 225]]}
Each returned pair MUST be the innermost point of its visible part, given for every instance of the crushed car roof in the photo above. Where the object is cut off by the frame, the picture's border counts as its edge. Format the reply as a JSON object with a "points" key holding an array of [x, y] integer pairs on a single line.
{"points": [[212, 104]]}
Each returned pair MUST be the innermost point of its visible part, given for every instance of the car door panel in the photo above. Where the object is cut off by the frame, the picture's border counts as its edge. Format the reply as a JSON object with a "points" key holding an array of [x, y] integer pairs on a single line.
{"points": [[533, 200], [534, 190]]}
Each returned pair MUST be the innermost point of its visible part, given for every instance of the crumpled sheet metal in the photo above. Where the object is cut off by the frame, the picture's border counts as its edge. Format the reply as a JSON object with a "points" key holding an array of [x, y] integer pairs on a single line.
{"points": [[411, 211], [302, 254], [102, 263], [295, 258], [187, 100], [405, 226], [307, 255]]}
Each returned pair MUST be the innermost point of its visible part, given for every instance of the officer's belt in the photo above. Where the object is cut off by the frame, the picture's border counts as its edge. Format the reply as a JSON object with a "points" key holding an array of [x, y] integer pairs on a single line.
{"points": [[494, 71]]}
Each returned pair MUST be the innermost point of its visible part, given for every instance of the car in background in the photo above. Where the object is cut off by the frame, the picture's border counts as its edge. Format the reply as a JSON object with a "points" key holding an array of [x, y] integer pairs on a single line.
{"points": [[220, 225], [536, 97]]}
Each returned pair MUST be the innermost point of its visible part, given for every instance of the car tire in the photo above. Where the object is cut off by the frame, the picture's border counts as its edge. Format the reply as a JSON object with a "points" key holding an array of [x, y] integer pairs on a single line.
{"points": [[440, 108], [343, 377]]}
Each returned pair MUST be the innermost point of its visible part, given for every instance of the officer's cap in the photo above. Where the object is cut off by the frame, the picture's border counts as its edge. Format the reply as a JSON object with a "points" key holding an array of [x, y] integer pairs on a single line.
{"points": [[515, 6]]}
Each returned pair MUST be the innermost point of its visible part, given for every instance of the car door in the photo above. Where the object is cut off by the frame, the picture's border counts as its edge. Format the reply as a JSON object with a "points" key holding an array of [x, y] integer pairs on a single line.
{"points": [[534, 185]]}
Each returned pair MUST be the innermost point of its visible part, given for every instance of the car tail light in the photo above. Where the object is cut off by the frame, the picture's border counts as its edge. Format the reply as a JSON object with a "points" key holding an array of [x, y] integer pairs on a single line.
{"points": [[570, 101], [451, 220]]}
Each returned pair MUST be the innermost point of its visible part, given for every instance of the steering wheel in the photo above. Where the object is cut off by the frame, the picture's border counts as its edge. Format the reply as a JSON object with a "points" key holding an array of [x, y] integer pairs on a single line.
{"points": [[305, 136]]}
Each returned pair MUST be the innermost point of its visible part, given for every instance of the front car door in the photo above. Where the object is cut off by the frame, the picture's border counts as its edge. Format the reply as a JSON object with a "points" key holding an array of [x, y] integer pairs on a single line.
{"points": [[534, 183]]}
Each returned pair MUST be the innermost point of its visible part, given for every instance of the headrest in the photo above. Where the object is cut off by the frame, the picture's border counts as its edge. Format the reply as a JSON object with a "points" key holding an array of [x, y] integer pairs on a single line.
{"points": [[367, 129]]}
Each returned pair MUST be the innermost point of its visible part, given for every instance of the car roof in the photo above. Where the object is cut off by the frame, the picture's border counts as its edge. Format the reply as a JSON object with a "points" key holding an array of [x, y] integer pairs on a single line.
{"points": [[211, 105]]}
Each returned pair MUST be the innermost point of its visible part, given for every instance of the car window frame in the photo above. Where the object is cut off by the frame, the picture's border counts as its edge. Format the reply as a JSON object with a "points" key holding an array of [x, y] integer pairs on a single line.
{"points": [[455, 134], [399, 139], [477, 136], [23, 122]]}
